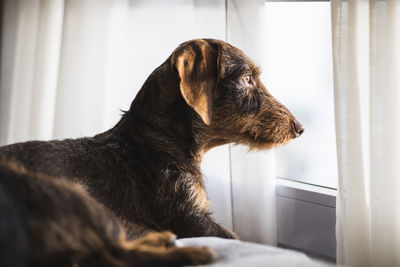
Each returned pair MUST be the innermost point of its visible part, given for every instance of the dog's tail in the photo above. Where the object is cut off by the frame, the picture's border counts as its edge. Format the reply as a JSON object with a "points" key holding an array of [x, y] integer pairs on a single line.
{"points": [[13, 236]]}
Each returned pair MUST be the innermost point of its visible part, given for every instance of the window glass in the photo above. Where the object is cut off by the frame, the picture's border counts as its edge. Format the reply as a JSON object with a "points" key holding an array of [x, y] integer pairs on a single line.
{"points": [[298, 71]]}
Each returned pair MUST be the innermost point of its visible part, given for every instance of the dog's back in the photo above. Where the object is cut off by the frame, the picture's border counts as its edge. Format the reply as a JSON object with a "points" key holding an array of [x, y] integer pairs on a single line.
{"points": [[54, 158]]}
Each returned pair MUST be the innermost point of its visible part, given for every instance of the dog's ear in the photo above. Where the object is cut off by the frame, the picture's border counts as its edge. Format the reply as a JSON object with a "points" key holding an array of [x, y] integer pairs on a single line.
{"points": [[196, 64]]}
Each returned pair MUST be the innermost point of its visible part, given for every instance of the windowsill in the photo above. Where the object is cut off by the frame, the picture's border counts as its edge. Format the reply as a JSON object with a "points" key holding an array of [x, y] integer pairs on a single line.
{"points": [[306, 187], [306, 192]]}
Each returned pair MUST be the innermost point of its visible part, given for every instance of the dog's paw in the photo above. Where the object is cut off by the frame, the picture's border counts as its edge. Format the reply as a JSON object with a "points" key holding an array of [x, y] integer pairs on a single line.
{"points": [[157, 256], [192, 255], [162, 239]]}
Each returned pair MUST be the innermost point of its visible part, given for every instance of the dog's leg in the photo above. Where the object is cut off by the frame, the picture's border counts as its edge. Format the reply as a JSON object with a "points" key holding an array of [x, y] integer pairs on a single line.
{"points": [[199, 225], [156, 239], [211, 228], [188, 215], [220, 230], [153, 250], [156, 249]]}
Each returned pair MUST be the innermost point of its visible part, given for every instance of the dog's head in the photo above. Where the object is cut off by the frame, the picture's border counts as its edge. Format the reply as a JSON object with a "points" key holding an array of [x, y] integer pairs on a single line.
{"points": [[223, 86]]}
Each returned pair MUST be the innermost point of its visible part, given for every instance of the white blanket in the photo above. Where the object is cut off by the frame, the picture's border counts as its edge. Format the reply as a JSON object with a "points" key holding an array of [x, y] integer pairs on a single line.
{"points": [[245, 254]]}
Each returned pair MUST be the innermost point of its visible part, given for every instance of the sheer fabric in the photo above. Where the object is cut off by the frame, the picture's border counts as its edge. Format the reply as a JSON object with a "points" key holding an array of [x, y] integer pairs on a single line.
{"points": [[366, 56]]}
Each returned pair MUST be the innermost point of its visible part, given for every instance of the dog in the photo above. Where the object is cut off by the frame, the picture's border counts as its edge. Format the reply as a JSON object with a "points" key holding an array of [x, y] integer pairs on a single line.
{"points": [[146, 169]]}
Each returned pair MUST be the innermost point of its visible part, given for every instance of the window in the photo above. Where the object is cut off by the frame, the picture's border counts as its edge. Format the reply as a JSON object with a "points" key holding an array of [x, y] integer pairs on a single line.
{"points": [[298, 72]]}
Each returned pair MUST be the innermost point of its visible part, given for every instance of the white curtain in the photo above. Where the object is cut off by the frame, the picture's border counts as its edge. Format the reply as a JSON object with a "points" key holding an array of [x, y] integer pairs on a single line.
{"points": [[366, 52], [31, 36], [69, 66]]}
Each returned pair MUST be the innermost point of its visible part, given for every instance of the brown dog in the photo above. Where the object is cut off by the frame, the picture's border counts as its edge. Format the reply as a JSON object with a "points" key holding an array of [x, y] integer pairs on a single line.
{"points": [[146, 169]]}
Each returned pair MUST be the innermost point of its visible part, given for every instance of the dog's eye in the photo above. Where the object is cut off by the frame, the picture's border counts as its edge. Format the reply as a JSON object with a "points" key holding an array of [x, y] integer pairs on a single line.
{"points": [[247, 78]]}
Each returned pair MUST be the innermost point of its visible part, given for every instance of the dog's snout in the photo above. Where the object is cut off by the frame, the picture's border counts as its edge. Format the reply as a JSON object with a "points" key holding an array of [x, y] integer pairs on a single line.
{"points": [[298, 128]]}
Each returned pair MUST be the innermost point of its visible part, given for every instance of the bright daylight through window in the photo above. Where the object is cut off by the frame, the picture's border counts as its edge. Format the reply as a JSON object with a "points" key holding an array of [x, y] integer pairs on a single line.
{"points": [[298, 72]]}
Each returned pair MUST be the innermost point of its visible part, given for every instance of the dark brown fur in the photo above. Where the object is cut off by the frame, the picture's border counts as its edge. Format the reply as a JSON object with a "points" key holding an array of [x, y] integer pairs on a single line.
{"points": [[146, 169], [50, 222]]}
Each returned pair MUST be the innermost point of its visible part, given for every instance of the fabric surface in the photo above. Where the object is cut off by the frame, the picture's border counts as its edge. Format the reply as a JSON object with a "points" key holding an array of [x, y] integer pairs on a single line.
{"points": [[366, 41], [235, 253]]}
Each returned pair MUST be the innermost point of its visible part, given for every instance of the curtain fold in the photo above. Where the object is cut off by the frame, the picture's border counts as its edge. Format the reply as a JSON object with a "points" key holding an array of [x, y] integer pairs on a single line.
{"points": [[366, 76], [30, 50]]}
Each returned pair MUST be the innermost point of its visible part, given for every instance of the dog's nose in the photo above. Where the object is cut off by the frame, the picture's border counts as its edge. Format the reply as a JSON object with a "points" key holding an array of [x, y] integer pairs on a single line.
{"points": [[298, 128]]}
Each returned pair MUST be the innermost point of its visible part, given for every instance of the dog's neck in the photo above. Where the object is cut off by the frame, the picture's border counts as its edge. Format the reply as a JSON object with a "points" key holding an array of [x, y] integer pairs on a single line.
{"points": [[161, 120]]}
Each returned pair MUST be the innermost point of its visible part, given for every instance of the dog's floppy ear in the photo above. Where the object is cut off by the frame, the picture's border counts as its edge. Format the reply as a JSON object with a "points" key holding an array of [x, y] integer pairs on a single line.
{"points": [[196, 63]]}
